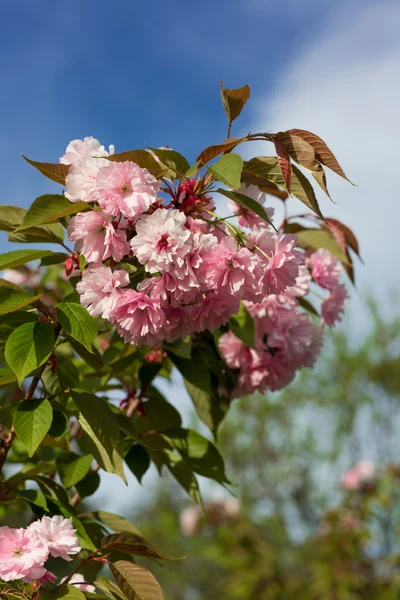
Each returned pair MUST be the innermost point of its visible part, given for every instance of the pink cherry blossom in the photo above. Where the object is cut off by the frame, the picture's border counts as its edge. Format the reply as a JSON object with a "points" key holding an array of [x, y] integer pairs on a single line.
{"points": [[362, 472], [48, 577], [189, 520], [96, 237], [22, 555], [162, 240], [79, 582], [81, 181], [125, 188], [326, 270], [100, 289], [214, 311], [231, 269], [140, 319], [59, 535], [247, 218], [78, 149], [299, 289], [333, 306], [233, 350]]}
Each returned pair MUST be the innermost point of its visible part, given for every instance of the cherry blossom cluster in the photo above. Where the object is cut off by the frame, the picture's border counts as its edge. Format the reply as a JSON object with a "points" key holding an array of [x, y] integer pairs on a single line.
{"points": [[362, 474], [162, 265], [24, 552], [218, 511]]}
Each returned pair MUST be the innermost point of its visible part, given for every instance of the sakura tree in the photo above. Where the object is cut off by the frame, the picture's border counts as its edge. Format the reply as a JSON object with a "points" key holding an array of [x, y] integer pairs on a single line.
{"points": [[150, 277]]}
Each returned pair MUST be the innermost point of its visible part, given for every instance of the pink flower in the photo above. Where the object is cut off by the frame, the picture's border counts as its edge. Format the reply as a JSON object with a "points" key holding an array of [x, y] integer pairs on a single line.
{"points": [[140, 320], [326, 270], [22, 276], [214, 311], [234, 352], [59, 535], [22, 555], [78, 149], [230, 269], [81, 181], [179, 322], [361, 473], [333, 305], [246, 217], [100, 289], [80, 583], [282, 269], [299, 289], [97, 239], [189, 520], [48, 577], [126, 188], [162, 240]]}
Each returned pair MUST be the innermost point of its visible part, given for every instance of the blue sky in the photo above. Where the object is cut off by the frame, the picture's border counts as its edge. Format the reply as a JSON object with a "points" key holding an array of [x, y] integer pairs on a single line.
{"points": [[147, 74]]}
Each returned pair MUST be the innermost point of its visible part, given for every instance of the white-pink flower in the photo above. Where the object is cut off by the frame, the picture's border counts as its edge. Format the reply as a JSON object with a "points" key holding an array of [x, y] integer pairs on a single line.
{"points": [[140, 320], [22, 555], [81, 181], [214, 311], [326, 270], [96, 237], [282, 266], [125, 188], [162, 240], [100, 288], [246, 217], [361, 473], [59, 535], [78, 149], [79, 582], [234, 352], [333, 306]]}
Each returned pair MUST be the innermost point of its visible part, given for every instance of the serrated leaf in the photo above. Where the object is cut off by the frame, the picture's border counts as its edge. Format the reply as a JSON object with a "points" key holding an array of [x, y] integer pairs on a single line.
{"points": [[228, 170], [138, 461], [284, 164], [76, 321], [109, 589], [248, 203], [53, 233], [343, 235], [173, 160], [317, 238], [32, 420], [268, 187], [129, 543], [10, 260], [73, 468], [136, 582], [11, 217], [62, 592], [212, 151], [55, 171], [102, 430], [49, 209], [12, 298], [28, 347], [115, 522], [242, 325], [143, 158], [234, 100]]}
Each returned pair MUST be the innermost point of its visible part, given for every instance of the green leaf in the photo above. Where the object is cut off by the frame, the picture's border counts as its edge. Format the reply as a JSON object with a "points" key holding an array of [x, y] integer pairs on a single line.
{"points": [[73, 468], [28, 347], [7, 376], [228, 169], [160, 414], [59, 425], [199, 453], [143, 158], [138, 461], [242, 325], [12, 298], [32, 420], [173, 160], [88, 485], [49, 209], [62, 592], [129, 543], [28, 472], [55, 171], [51, 234], [35, 497], [115, 522], [182, 348], [136, 582], [102, 430], [109, 589], [233, 101], [308, 306], [9, 260], [10, 217], [248, 203], [317, 238], [76, 321]]}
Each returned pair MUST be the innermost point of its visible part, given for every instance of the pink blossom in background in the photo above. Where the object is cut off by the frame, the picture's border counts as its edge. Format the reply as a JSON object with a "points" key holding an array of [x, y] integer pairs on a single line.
{"points": [[326, 270], [79, 582], [162, 240], [100, 288], [22, 555], [139, 319], [189, 519], [78, 149], [361, 473], [22, 276], [81, 181], [125, 188], [59, 535], [96, 237], [333, 306]]}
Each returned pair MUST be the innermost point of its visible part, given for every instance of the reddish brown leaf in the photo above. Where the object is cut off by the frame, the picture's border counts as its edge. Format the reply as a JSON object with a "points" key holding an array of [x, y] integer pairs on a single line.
{"points": [[298, 149], [234, 100], [55, 171], [250, 178], [339, 230], [323, 154], [213, 151], [284, 164], [320, 178]]}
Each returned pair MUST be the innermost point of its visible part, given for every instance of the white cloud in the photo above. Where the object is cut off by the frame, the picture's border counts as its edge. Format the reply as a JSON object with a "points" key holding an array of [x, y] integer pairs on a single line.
{"points": [[345, 87]]}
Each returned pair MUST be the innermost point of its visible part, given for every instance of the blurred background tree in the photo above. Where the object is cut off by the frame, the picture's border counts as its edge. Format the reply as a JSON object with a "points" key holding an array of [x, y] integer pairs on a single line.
{"points": [[294, 530]]}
